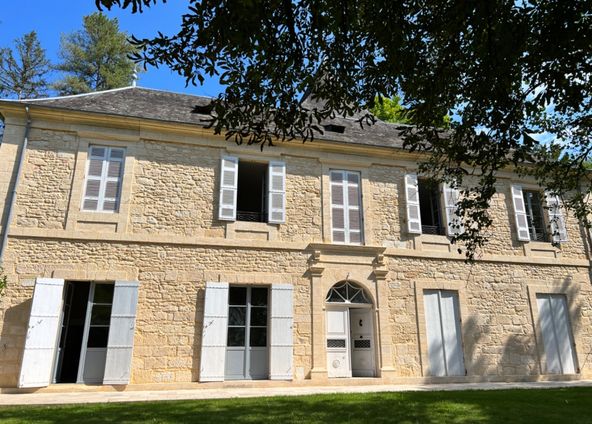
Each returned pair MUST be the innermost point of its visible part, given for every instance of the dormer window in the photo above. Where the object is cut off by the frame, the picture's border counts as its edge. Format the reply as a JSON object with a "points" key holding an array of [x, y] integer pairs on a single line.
{"points": [[334, 128]]}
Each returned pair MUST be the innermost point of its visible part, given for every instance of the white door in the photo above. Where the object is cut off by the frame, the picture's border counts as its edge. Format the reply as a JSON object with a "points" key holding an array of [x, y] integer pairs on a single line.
{"points": [[557, 336], [362, 329], [338, 349]]}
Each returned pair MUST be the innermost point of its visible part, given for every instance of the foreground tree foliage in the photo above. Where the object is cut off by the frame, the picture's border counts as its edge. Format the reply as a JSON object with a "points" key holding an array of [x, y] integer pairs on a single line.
{"points": [[95, 58], [23, 70], [515, 76]]}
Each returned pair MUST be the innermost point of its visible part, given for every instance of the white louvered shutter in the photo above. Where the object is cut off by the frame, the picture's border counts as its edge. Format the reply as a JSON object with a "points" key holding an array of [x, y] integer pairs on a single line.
{"points": [[412, 200], [42, 333], [556, 218], [104, 173], [276, 196], [121, 333], [520, 213], [215, 328], [451, 333], [228, 188], [454, 224], [346, 208], [281, 343]]}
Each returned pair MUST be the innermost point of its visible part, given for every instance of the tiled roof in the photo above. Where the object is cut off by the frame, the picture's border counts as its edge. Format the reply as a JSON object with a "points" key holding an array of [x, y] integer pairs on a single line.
{"points": [[138, 102]]}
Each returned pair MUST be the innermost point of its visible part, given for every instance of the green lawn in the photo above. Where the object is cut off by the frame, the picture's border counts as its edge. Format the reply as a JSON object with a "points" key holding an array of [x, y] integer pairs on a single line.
{"points": [[573, 405]]}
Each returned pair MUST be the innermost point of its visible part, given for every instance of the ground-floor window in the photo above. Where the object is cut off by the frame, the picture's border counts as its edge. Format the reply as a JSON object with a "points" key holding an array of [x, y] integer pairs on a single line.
{"points": [[247, 355], [443, 331], [79, 332], [557, 336]]}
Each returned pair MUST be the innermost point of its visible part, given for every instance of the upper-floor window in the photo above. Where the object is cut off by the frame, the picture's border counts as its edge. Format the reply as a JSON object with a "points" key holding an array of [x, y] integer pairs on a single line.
{"points": [[346, 207], [252, 191], [532, 224], [431, 208], [104, 172]]}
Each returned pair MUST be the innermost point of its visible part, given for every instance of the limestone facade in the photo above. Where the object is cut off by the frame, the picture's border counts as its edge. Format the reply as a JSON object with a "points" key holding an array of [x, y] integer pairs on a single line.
{"points": [[167, 236]]}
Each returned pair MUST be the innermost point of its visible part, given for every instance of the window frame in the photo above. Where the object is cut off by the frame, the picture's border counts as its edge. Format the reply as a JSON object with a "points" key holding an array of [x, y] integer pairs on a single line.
{"points": [[346, 207], [438, 208], [528, 207]]}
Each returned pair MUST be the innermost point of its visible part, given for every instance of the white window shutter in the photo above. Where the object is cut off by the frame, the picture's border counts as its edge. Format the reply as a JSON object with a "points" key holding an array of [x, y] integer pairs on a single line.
{"points": [[104, 173], [121, 333], [454, 225], [42, 333], [338, 222], [215, 328], [556, 218], [228, 188], [451, 333], [520, 213], [346, 207], [281, 344], [435, 347], [276, 197], [412, 199]]}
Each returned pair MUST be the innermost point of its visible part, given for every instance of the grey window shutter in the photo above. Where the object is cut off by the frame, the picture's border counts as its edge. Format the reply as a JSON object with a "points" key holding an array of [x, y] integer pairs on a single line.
{"points": [[556, 218], [121, 333], [454, 225], [276, 197], [281, 344], [215, 329], [443, 331], [520, 213], [228, 188], [412, 200], [42, 333]]}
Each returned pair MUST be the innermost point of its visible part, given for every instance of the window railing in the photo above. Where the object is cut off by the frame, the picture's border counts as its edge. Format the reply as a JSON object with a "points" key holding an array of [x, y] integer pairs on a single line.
{"points": [[251, 216], [538, 234], [432, 229]]}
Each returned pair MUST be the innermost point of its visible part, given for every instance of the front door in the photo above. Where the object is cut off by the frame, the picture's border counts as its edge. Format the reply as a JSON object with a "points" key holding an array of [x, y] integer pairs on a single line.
{"points": [[362, 343], [338, 343]]}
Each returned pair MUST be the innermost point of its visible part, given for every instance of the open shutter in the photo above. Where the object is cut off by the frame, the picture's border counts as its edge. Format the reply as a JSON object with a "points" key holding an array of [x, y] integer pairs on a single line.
{"points": [[42, 333], [412, 199], [556, 218], [281, 344], [121, 333], [215, 328], [228, 188], [520, 213], [276, 197], [454, 224]]}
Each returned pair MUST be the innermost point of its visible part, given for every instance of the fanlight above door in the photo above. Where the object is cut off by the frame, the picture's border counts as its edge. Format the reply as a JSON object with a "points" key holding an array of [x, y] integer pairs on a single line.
{"points": [[346, 292]]}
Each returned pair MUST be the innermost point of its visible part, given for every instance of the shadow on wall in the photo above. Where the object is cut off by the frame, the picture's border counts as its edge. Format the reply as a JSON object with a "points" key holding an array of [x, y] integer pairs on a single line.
{"points": [[12, 342], [197, 333]]}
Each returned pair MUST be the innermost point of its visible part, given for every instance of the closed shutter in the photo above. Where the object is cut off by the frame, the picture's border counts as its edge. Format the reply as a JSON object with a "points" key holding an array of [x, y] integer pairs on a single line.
{"points": [[42, 333], [412, 200], [443, 331], [104, 174], [121, 333], [276, 197], [520, 213], [557, 335], [281, 344], [228, 188], [215, 328], [454, 225], [556, 218], [346, 211]]}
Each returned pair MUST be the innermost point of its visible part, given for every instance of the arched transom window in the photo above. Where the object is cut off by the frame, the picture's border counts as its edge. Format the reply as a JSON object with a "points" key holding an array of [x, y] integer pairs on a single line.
{"points": [[346, 292]]}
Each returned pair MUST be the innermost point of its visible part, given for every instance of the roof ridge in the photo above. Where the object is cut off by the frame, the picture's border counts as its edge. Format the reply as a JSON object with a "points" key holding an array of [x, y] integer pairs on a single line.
{"points": [[70, 96]]}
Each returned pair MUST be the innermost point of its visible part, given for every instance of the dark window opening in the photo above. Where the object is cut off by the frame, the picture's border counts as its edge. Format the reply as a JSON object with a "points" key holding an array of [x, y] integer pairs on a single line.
{"points": [[252, 192], [334, 128], [535, 215], [429, 208], [75, 303]]}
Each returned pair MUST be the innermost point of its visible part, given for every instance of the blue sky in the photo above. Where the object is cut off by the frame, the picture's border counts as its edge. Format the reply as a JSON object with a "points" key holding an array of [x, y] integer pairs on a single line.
{"points": [[53, 18]]}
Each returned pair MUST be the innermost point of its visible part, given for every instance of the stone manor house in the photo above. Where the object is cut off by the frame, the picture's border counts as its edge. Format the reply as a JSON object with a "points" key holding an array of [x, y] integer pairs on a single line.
{"points": [[142, 249]]}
